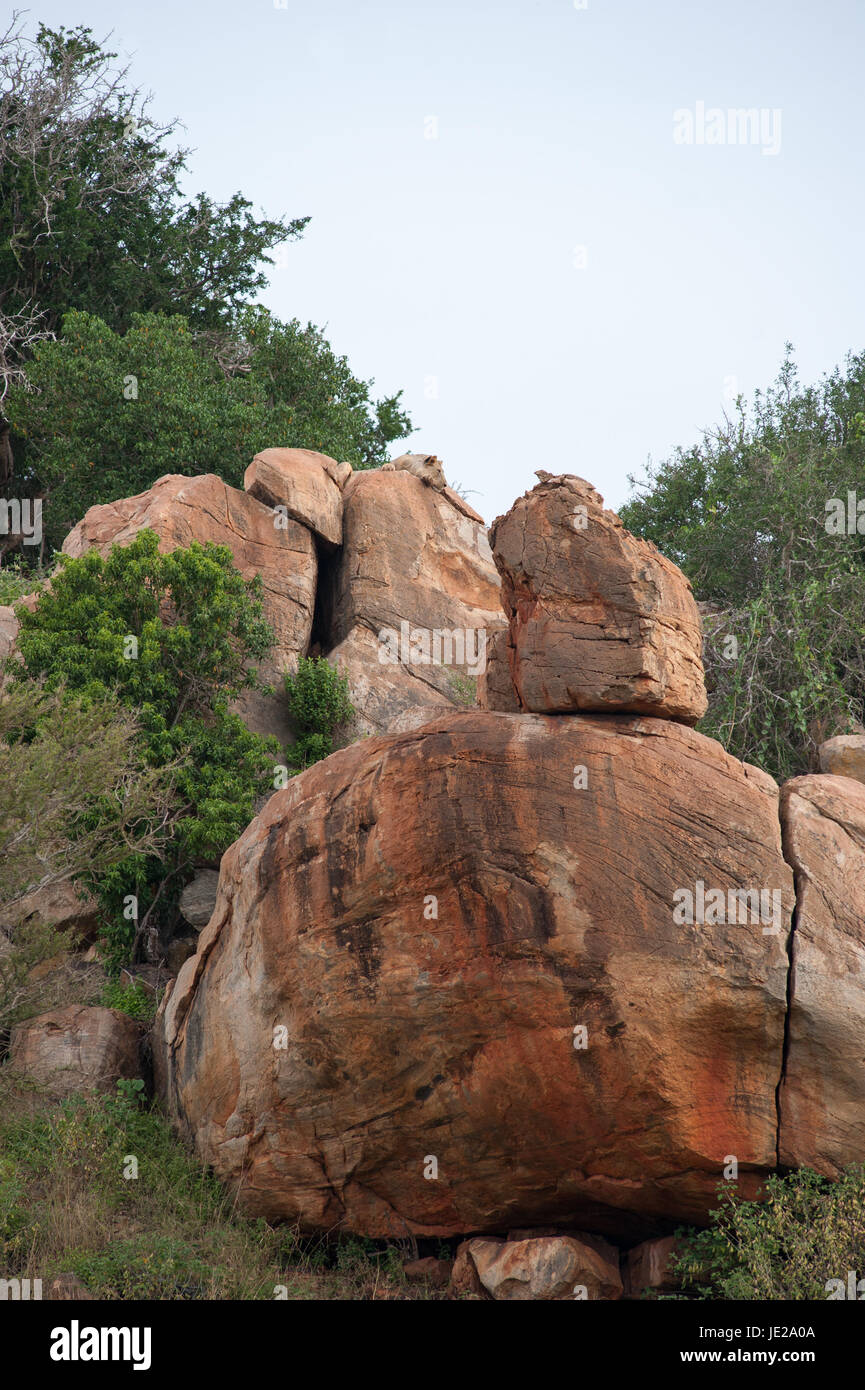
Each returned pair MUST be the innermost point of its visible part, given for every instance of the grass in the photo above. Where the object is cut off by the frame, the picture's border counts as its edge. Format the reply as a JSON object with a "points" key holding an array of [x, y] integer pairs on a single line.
{"points": [[16, 580], [70, 1203], [132, 999]]}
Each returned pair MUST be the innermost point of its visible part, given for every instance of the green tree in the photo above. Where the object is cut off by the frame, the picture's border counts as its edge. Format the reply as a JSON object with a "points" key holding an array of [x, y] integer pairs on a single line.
{"points": [[745, 514], [105, 414], [312, 398], [91, 212], [175, 637]]}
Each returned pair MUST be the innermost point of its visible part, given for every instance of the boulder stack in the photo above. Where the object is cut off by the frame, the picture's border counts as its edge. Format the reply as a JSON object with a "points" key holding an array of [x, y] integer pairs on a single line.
{"points": [[553, 968]]}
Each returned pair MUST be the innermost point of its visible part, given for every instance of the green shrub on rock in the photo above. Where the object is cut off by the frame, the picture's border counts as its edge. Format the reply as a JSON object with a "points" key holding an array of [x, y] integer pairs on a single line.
{"points": [[175, 637], [319, 703]]}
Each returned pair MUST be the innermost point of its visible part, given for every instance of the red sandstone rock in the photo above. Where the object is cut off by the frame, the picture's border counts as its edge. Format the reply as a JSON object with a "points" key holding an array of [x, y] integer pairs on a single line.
{"points": [[844, 756], [823, 1094], [302, 481], [428, 918], [547, 1268], [76, 1048], [62, 905], [412, 562], [495, 686], [598, 620]]}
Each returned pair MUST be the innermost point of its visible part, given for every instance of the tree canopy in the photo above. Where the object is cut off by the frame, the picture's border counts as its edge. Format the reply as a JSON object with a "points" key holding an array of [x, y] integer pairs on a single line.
{"points": [[97, 244], [105, 414]]}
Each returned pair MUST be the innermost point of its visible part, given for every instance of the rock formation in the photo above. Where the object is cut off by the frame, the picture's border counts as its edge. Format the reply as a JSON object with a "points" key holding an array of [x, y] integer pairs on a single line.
{"points": [[414, 571], [300, 481], [433, 918], [182, 510], [508, 967], [822, 1098], [550, 967], [353, 554], [598, 620], [77, 1048]]}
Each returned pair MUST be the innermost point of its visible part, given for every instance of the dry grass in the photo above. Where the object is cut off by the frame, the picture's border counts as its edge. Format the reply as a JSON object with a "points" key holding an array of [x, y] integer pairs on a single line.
{"points": [[172, 1233]]}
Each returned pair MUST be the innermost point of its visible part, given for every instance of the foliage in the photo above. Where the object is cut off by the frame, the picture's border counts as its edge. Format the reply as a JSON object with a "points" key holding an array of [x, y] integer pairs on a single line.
{"points": [[83, 800], [170, 1233], [91, 211], [804, 1232], [319, 703], [311, 398], [197, 629], [24, 989], [16, 580], [106, 414], [745, 515], [463, 689], [798, 675], [131, 999]]}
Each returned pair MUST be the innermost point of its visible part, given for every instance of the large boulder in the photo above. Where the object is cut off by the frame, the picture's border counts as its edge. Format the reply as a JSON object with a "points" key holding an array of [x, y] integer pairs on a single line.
{"points": [[413, 597], [843, 756], [198, 898], [822, 1098], [598, 620], [301, 481], [63, 905], [76, 1048], [182, 510], [450, 983]]}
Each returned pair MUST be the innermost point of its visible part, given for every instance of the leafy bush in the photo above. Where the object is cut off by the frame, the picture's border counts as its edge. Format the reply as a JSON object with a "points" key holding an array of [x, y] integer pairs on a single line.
{"points": [[806, 1232], [798, 675], [148, 1266], [83, 799], [463, 689], [319, 703], [131, 999], [198, 627], [744, 513], [25, 990]]}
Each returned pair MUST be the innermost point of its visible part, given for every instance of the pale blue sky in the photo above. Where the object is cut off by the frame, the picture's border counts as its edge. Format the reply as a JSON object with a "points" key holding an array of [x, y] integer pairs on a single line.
{"points": [[454, 258]]}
